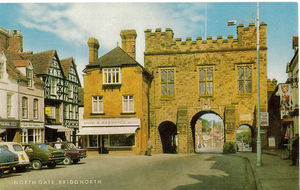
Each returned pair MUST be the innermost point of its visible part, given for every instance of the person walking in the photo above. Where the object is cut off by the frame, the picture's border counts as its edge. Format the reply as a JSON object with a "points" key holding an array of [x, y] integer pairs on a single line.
{"points": [[149, 147], [295, 150]]}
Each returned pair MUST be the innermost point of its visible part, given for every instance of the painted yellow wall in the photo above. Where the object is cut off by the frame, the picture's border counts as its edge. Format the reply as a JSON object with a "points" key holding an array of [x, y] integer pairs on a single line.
{"points": [[132, 84]]}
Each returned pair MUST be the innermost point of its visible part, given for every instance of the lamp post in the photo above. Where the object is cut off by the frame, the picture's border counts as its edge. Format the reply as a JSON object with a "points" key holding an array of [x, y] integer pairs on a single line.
{"points": [[232, 23]]}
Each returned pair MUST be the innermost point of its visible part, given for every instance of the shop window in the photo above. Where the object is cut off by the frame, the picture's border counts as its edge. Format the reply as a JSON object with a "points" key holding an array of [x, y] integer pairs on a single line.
{"points": [[111, 76], [31, 135], [167, 82], [128, 104], [93, 141], [122, 140], [244, 79]]}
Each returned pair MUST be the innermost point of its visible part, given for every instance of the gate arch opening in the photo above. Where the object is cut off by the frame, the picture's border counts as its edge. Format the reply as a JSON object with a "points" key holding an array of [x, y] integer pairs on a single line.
{"points": [[168, 136], [208, 132], [244, 138]]}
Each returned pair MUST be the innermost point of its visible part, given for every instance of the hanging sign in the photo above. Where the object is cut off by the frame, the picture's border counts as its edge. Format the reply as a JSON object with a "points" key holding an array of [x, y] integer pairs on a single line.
{"points": [[264, 119]]}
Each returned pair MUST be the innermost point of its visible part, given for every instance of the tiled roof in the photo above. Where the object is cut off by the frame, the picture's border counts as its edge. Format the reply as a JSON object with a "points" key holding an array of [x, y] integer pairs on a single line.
{"points": [[115, 58], [21, 63], [66, 64], [41, 61]]}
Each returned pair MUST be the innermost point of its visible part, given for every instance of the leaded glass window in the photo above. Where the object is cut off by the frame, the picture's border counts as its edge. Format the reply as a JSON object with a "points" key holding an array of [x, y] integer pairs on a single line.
{"points": [[167, 82], [244, 79], [206, 80]]}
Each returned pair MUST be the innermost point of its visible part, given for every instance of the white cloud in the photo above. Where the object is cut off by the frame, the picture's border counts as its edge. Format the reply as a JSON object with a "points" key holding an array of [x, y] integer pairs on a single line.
{"points": [[75, 23]]}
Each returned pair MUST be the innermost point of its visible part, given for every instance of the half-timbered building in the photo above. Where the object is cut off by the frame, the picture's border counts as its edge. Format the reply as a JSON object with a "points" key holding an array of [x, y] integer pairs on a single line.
{"points": [[48, 67], [72, 83]]}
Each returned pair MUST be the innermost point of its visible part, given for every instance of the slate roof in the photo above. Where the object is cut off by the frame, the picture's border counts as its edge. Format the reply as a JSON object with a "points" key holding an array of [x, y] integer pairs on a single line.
{"points": [[41, 61], [117, 57]]}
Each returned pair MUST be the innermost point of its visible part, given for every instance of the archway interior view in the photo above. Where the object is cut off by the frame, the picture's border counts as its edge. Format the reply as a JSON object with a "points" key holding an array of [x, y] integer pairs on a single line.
{"points": [[244, 138], [209, 133], [168, 135]]}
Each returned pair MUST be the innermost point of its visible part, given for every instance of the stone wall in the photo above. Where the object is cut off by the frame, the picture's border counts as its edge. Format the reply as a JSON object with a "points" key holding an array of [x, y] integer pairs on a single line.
{"points": [[224, 56]]}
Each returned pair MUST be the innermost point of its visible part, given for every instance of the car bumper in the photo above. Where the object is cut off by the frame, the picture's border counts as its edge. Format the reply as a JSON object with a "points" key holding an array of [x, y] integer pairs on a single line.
{"points": [[8, 165], [57, 159]]}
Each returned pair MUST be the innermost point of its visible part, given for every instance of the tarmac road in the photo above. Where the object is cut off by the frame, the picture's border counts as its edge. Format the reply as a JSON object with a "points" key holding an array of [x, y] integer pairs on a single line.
{"points": [[162, 171]]}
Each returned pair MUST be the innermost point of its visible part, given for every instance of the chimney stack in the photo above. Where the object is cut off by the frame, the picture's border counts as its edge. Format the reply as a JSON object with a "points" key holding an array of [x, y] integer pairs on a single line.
{"points": [[93, 49], [128, 42], [15, 40]]}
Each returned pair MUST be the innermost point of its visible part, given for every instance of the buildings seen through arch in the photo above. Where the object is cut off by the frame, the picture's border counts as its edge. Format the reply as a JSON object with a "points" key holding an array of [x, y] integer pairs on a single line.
{"points": [[209, 133]]}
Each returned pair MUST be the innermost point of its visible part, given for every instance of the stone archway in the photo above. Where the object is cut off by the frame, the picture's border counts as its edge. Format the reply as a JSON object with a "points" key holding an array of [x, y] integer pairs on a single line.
{"points": [[168, 132], [245, 137], [203, 138]]}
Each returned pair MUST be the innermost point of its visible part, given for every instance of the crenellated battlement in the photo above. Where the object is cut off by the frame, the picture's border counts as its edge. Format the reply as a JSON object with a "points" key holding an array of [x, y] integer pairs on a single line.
{"points": [[160, 42]]}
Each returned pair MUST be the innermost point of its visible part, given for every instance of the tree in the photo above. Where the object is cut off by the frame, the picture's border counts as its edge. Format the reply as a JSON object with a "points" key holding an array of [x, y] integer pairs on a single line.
{"points": [[244, 136], [205, 125]]}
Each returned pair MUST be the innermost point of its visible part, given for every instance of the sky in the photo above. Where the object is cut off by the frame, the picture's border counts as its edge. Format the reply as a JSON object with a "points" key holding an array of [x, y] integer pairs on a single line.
{"points": [[66, 27]]}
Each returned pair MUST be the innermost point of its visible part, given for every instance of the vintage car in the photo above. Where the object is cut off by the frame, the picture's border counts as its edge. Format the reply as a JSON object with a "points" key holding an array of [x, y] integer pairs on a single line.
{"points": [[43, 154], [7, 159], [73, 154], [18, 150]]}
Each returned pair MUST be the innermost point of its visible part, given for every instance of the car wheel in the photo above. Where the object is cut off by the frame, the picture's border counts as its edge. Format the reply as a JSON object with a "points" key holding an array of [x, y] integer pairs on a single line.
{"points": [[51, 165], [75, 161], [36, 164], [67, 161]]}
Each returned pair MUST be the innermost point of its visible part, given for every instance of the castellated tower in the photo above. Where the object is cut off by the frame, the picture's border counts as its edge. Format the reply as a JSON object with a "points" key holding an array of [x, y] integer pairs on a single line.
{"points": [[93, 49], [128, 42]]}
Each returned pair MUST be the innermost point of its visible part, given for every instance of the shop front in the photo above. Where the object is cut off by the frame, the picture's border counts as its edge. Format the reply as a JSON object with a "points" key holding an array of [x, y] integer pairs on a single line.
{"points": [[9, 130], [53, 132], [110, 135], [32, 132]]}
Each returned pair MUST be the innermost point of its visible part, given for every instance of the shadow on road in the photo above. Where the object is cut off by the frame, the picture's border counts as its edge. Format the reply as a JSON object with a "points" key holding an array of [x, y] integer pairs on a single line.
{"points": [[238, 178]]}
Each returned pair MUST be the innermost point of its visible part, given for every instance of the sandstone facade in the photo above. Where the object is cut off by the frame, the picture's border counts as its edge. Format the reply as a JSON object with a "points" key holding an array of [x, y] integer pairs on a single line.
{"points": [[184, 100]]}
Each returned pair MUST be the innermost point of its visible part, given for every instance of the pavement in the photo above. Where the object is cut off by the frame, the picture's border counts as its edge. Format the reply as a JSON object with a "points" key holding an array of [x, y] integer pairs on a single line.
{"points": [[275, 171]]}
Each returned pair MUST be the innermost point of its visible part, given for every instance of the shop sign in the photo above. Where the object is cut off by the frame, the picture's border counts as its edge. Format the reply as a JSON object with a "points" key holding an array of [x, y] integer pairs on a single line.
{"points": [[264, 119], [9, 124], [32, 125], [48, 110], [112, 122]]}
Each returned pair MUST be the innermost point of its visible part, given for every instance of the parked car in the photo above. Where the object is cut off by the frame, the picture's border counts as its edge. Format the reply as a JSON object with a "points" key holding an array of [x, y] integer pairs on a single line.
{"points": [[73, 154], [7, 159], [43, 154], [18, 150]]}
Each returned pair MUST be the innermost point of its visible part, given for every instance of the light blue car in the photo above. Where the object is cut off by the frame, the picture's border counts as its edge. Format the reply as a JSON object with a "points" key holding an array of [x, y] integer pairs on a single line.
{"points": [[7, 159]]}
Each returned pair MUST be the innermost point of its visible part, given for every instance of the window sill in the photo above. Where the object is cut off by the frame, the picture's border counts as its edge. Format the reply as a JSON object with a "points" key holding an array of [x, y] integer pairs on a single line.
{"points": [[102, 113], [205, 96], [111, 85], [128, 113], [244, 94]]}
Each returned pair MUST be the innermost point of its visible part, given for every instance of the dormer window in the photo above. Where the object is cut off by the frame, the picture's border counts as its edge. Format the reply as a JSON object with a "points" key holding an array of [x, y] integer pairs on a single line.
{"points": [[29, 76], [111, 76]]}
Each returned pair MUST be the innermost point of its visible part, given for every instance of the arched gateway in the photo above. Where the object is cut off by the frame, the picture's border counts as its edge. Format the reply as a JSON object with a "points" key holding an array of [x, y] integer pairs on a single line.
{"points": [[206, 75]]}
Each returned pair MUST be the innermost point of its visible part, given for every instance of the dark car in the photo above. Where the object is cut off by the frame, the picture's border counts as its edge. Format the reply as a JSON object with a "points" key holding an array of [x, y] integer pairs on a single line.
{"points": [[43, 154], [7, 159], [73, 154]]}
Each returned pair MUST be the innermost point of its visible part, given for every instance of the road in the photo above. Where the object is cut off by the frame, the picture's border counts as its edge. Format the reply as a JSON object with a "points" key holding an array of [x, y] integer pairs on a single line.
{"points": [[163, 171]]}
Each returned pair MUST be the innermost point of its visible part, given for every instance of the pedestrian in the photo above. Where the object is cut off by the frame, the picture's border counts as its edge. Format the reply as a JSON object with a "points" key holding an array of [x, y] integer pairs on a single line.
{"points": [[149, 147], [295, 150]]}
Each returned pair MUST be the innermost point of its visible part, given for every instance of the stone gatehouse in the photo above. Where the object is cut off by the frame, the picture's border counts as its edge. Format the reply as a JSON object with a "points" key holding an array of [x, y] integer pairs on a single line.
{"points": [[191, 78]]}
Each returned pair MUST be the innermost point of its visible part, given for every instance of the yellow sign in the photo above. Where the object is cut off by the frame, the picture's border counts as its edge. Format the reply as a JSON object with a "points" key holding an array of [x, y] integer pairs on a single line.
{"points": [[47, 110]]}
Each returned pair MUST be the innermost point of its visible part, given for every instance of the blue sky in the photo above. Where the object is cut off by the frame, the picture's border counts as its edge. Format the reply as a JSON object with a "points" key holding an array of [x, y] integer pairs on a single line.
{"points": [[66, 27]]}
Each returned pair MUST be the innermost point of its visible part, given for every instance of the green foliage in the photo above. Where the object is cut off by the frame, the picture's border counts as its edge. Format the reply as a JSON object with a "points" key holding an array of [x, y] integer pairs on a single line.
{"points": [[229, 147], [244, 136], [205, 125]]}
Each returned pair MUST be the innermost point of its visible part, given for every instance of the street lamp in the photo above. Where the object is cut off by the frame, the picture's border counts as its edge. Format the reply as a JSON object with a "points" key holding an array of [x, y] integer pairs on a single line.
{"points": [[232, 23]]}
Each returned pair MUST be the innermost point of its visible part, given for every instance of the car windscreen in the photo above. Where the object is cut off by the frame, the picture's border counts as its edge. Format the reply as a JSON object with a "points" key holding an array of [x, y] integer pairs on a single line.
{"points": [[17, 147], [3, 149]]}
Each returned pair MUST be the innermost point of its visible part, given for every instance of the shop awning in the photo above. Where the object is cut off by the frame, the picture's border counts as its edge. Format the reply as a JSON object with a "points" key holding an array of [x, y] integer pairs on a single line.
{"points": [[107, 130], [59, 128]]}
